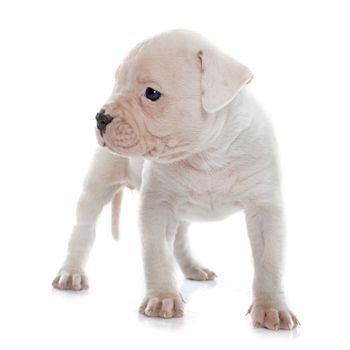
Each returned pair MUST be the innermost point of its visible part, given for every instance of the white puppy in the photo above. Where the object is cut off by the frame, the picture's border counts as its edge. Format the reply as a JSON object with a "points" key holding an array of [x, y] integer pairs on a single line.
{"points": [[180, 127]]}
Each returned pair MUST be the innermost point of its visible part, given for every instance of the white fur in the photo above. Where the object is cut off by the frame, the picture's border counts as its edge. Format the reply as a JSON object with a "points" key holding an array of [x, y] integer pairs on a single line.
{"points": [[236, 170]]}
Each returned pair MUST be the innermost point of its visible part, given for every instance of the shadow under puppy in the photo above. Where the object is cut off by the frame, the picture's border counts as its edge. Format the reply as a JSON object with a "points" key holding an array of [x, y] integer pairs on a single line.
{"points": [[182, 127]]}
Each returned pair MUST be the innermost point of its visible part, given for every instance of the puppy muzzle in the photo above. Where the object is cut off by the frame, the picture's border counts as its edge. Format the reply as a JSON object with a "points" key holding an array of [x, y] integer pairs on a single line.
{"points": [[118, 134]]}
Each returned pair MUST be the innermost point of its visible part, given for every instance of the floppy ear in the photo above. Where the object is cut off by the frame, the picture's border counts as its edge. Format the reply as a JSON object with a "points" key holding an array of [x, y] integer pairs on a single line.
{"points": [[221, 78]]}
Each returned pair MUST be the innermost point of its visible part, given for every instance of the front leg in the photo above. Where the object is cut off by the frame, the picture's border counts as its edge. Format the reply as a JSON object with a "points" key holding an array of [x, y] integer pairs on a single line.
{"points": [[158, 229], [107, 175], [266, 233]]}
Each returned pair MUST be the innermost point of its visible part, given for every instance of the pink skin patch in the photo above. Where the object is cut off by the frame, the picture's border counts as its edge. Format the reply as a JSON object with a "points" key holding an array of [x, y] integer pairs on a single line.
{"points": [[120, 134], [121, 137]]}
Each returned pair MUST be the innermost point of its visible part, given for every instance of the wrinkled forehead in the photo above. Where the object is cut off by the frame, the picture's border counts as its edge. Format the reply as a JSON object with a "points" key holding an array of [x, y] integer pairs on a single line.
{"points": [[161, 63]]}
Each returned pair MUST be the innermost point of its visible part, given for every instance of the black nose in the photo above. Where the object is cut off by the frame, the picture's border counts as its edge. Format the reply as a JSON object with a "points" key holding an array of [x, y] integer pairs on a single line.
{"points": [[102, 121]]}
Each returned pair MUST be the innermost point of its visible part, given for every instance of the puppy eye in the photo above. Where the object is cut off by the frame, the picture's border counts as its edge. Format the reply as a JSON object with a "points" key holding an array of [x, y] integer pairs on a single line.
{"points": [[152, 94]]}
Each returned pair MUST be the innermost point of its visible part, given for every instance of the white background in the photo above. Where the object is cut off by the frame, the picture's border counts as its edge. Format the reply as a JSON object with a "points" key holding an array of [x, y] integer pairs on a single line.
{"points": [[57, 64]]}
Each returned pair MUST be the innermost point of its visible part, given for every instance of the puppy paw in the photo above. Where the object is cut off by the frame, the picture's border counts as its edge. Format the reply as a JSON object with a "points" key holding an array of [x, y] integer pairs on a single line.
{"points": [[71, 279], [198, 273], [162, 305], [272, 317]]}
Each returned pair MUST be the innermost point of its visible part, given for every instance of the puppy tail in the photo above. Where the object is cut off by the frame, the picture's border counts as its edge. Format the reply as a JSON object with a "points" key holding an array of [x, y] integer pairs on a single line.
{"points": [[116, 205]]}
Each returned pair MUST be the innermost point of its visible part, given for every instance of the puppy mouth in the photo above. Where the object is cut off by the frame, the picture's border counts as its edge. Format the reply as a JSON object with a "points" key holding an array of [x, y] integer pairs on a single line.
{"points": [[164, 152], [137, 150], [99, 137], [165, 159]]}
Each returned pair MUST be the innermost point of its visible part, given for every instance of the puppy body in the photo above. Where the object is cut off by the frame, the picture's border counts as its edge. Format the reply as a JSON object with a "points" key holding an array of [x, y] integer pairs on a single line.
{"points": [[200, 155], [214, 183]]}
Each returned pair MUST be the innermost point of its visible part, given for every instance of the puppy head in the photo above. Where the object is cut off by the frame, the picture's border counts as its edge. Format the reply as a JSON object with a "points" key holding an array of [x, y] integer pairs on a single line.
{"points": [[166, 95]]}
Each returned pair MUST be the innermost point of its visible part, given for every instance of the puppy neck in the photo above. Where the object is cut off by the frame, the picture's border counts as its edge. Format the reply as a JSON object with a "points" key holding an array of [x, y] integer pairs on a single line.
{"points": [[219, 148]]}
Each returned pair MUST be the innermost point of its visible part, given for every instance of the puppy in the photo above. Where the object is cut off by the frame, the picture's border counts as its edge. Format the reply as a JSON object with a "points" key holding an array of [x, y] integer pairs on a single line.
{"points": [[181, 127]]}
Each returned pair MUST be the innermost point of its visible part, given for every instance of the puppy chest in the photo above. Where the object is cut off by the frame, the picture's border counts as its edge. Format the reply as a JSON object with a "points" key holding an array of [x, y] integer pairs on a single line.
{"points": [[202, 208], [208, 198]]}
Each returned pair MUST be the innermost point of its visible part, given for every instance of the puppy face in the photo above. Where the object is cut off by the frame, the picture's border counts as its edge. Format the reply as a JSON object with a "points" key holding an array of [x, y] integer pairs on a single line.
{"points": [[165, 97]]}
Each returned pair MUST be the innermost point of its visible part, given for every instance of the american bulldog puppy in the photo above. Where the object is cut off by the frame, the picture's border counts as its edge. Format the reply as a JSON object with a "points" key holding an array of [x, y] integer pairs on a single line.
{"points": [[182, 127]]}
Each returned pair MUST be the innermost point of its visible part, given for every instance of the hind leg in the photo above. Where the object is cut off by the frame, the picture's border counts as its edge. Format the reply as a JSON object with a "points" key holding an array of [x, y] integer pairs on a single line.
{"points": [[190, 267], [107, 175]]}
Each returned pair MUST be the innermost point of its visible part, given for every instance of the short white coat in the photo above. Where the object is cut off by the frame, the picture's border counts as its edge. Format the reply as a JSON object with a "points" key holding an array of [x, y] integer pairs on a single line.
{"points": [[201, 154]]}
